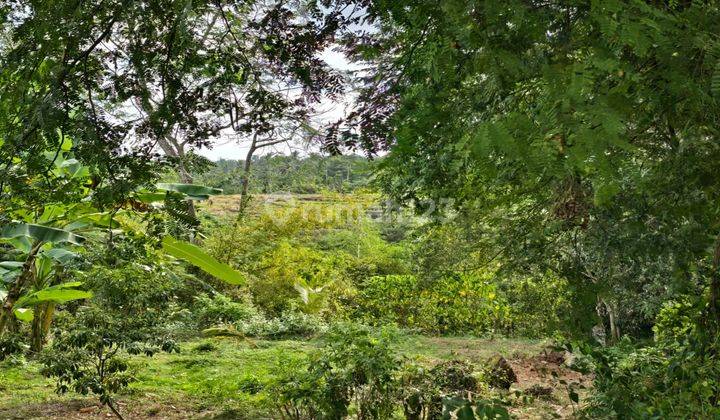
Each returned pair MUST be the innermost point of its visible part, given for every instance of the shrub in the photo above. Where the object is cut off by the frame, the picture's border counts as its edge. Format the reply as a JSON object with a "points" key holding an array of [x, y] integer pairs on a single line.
{"points": [[389, 299], [220, 309], [539, 305], [368, 254], [290, 323], [451, 305], [675, 322], [460, 304], [12, 344], [275, 287], [326, 249], [675, 377], [90, 357], [133, 289], [356, 366], [242, 317], [424, 390]]}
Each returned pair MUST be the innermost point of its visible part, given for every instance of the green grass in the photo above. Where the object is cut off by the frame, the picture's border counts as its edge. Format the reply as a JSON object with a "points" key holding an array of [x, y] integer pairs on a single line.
{"points": [[468, 348], [219, 377], [213, 379], [21, 383]]}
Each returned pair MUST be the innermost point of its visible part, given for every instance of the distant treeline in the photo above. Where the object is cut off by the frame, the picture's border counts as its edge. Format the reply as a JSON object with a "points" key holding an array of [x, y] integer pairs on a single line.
{"points": [[290, 173]]}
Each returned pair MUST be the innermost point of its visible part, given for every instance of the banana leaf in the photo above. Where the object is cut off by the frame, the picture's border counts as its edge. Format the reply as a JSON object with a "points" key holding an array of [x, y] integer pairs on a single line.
{"points": [[60, 293], [197, 257], [194, 192], [40, 233]]}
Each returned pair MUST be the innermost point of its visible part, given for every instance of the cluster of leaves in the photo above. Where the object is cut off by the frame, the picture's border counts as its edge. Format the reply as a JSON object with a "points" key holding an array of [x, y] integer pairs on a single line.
{"points": [[305, 257], [451, 305], [128, 315], [675, 376], [88, 357], [463, 304], [221, 315], [356, 366], [424, 390], [308, 255], [561, 130]]}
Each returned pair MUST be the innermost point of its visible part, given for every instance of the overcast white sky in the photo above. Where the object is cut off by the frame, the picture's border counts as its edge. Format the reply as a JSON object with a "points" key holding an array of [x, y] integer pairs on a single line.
{"points": [[331, 111]]}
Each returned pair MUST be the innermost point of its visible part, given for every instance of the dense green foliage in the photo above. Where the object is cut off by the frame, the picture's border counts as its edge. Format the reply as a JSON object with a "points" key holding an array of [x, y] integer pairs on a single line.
{"points": [[332, 260], [574, 137], [461, 304], [566, 127], [558, 163]]}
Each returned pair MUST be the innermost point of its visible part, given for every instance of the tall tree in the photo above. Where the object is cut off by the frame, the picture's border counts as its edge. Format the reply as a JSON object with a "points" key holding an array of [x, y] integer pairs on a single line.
{"points": [[125, 79], [552, 122]]}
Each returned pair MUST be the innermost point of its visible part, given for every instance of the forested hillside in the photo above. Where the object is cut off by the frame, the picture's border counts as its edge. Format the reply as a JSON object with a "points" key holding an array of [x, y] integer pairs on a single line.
{"points": [[491, 210], [290, 173]]}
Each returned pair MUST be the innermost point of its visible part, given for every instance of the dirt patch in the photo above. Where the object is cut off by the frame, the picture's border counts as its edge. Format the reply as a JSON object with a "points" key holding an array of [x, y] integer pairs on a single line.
{"points": [[90, 409], [547, 372]]}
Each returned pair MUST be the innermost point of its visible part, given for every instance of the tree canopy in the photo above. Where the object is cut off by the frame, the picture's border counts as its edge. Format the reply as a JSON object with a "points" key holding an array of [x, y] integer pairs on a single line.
{"points": [[577, 134]]}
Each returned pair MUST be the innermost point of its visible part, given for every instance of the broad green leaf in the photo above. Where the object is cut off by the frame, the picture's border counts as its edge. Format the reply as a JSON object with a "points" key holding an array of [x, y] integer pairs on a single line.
{"points": [[67, 144], [151, 197], [197, 257], [24, 314], [60, 293], [51, 212], [195, 192], [22, 243], [73, 169], [102, 220], [11, 265], [43, 268], [465, 413], [61, 255], [9, 270], [40, 233]]}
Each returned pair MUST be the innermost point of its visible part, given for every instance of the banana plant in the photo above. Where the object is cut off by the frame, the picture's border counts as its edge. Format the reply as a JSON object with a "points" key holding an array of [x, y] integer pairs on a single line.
{"points": [[43, 241], [38, 304], [30, 288]]}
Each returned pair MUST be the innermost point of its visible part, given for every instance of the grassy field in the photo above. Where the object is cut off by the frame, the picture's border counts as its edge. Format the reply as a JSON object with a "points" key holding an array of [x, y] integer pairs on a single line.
{"points": [[213, 379]]}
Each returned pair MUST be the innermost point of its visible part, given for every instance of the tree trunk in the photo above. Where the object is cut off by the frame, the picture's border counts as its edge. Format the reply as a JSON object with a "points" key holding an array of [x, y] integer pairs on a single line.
{"points": [[244, 191], [36, 343], [715, 285], [26, 276], [114, 410], [176, 149], [48, 315], [612, 318], [186, 178], [41, 325]]}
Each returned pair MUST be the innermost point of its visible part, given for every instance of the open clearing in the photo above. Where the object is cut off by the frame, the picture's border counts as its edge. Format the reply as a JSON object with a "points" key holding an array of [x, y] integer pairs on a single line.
{"points": [[209, 379]]}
